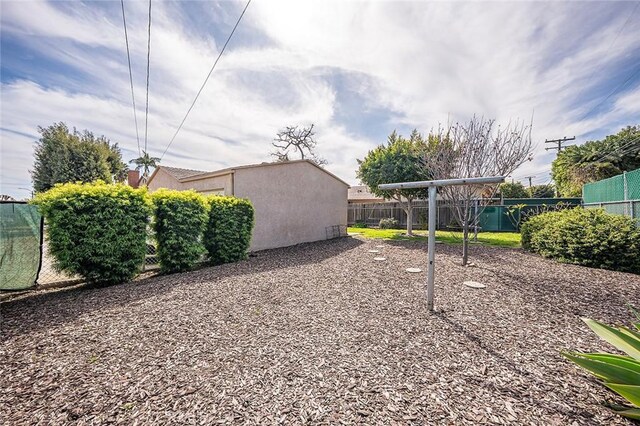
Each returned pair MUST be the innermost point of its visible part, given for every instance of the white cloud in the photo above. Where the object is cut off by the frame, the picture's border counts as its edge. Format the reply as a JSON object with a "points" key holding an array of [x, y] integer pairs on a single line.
{"points": [[423, 62]]}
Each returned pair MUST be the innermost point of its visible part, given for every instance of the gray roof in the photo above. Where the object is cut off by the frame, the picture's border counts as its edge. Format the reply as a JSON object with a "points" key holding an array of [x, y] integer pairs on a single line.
{"points": [[179, 173]]}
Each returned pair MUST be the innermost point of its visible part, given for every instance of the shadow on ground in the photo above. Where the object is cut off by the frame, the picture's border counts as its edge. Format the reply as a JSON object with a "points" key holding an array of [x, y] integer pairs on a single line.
{"points": [[66, 304]]}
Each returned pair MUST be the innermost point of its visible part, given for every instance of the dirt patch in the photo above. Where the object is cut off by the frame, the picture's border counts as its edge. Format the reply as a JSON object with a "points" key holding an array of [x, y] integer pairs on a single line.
{"points": [[318, 333]]}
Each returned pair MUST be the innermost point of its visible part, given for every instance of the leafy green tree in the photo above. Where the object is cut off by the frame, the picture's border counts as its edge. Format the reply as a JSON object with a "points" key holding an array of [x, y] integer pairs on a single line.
{"points": [[145, 163], [596, 160], [400, 160], [513, 190], [543, 191], [63, 156]]}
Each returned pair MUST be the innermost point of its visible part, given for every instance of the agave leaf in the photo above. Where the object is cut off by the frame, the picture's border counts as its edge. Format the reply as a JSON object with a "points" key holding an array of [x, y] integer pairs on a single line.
{"points": [[606, 371], [620, 360], [630, 332], [632, 413], [630, 392], [625, 342], [634, 311], [637, 314]]}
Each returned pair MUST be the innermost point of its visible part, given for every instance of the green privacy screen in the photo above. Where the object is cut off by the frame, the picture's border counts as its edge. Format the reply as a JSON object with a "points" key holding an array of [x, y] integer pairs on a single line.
{"points": [[20, 243], [613, 189]]}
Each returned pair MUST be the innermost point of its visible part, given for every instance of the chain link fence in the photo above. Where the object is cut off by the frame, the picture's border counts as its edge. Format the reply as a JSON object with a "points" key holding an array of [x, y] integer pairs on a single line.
{"points": [[49, 276], [617, 195], [25, 258]]}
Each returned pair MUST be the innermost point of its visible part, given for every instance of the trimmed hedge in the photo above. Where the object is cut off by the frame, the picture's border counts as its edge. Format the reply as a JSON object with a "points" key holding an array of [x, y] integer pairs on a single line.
{"points": [[589, 237], [97, 231], [180, 218], [228, 234]]}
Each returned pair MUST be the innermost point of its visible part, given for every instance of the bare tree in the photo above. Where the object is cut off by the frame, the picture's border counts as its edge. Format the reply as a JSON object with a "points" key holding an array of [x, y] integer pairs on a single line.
{"points": [[4, 197], [293, 139], [476, 149]]}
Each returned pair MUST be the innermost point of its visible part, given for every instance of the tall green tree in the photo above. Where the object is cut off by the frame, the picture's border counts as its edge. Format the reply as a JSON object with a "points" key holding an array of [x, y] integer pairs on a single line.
{"points": [[596, 160], [399, 160], [513, 190], [64, 156], [543, 191], [145, 163]]}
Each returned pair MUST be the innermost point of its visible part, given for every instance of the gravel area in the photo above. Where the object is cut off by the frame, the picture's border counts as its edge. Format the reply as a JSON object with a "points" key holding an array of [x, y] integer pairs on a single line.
{"points": [[319, 333]]}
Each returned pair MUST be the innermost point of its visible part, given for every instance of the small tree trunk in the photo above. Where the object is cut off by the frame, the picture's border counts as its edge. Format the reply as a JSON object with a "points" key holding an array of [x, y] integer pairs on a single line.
{"points": [[409, 211], [465, 243]]}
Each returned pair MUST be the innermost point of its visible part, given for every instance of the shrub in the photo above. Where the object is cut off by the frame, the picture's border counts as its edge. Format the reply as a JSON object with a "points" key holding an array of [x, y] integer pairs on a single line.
{"points": [[388, 223], [97, 231], [532, 226], [359, 225], [228, 234], [179, 221], [589, 237]]}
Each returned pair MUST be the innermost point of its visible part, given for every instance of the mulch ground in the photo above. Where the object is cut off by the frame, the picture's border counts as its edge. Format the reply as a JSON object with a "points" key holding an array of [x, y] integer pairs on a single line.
{"points": [[319, 333]]}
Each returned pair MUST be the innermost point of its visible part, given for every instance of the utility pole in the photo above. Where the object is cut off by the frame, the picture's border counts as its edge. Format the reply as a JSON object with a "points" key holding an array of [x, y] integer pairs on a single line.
{"points": [[559, 142], [559, 148], [530, 185], [529, 177]]}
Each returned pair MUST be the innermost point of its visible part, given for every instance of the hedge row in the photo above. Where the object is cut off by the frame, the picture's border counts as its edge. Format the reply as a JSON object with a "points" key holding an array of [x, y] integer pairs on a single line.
{"points": [[98, 231], [589, 237]]}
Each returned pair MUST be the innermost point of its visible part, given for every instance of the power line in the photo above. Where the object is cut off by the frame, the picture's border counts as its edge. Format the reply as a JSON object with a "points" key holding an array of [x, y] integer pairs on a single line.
{"points": [[206, 79], [623, 149], [146, 112], [593, 72], [133, 98], [613, 92]]}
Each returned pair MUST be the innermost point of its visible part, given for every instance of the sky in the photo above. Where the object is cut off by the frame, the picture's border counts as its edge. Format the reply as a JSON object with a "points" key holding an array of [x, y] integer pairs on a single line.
{"points": [[357, 70]]}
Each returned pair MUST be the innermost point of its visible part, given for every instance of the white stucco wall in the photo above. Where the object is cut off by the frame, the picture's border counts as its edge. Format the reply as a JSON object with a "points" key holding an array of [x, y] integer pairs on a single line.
{"points": [[207, 185], [294, 203], [162, 179]]}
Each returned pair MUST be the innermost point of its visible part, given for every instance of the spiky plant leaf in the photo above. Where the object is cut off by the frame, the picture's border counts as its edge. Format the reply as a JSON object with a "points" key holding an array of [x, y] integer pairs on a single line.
{"points": [[630, 392], [628, 343], [608, 371], [637, 315], [631, 413]]}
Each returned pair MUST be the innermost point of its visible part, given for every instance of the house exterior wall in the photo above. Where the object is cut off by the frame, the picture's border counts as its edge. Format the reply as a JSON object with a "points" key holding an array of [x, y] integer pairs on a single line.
{"points": [[220, 185], [162, 179], [294, 203]]}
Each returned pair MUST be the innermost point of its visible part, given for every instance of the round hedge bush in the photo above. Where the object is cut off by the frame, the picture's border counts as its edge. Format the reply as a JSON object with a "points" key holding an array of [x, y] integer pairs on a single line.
{"points": [[179, 221], [96, 231], [589, 237]]}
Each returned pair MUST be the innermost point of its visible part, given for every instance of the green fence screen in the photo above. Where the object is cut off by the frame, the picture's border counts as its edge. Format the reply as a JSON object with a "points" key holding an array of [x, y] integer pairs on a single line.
{"points": [[20, 245], [618, 188], [509, 215]]}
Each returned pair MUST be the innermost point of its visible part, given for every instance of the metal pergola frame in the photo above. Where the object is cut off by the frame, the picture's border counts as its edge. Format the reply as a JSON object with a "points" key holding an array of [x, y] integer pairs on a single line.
{"points": [[433, 189]]}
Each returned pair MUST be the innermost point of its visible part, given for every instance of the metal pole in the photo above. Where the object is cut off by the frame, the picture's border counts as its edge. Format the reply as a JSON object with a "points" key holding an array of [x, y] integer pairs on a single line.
{"points": [[431, 246]]}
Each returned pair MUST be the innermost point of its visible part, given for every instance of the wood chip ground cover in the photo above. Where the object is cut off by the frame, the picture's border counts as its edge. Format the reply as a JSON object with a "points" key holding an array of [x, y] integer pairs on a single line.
{"points": [[321, 334]]}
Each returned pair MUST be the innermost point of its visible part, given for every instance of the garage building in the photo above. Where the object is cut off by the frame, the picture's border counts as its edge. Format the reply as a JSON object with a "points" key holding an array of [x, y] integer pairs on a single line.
{"points": [[295, 201]]}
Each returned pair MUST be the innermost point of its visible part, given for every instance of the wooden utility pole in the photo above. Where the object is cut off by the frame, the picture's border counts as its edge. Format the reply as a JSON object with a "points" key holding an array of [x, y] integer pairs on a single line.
{"points": [[530, 185], [559, 142], [529, 177]]}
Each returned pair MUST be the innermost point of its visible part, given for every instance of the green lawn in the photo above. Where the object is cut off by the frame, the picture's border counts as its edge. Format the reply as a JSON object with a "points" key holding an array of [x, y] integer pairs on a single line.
{"points": [[502, 239]]}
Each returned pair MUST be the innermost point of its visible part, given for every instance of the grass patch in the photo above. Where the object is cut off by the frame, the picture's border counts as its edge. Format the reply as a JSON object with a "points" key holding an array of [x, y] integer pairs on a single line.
{"points": [[500, 239]]}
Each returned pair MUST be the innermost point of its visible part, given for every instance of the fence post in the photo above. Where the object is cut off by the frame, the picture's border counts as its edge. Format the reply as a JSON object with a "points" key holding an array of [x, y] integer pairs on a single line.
{"points": [[626, 187]]}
